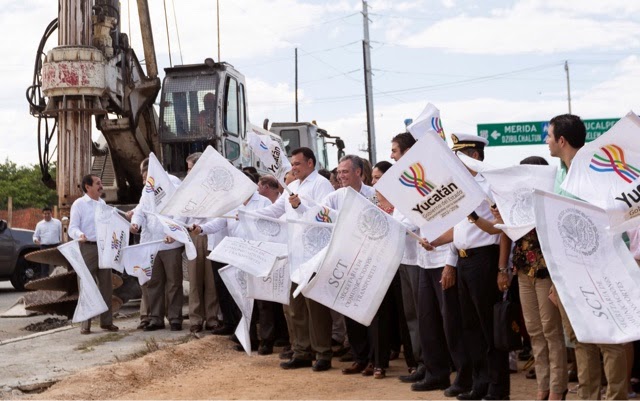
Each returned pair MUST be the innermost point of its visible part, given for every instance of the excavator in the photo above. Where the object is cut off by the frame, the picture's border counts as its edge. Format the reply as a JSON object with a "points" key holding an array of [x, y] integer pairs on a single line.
{"points": [[92, 77]]}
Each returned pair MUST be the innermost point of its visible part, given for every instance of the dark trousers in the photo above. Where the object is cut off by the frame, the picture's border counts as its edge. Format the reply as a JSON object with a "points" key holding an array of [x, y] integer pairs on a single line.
{"points": [[230, 312], [478, 292], [273, 325], [44, 268], [359, 340], [397, 309], [440, 328]]}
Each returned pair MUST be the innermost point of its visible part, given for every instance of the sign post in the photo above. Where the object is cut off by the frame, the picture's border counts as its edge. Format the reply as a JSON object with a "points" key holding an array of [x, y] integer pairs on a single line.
{"points": [[535, 132]]}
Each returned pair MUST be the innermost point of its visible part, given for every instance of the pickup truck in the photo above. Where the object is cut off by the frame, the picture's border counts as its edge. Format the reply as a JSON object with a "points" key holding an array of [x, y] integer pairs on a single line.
{"points": [[14, 244]]}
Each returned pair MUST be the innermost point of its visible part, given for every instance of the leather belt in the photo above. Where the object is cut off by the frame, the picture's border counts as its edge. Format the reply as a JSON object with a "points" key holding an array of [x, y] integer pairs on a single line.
{"points": [[466, 253]]}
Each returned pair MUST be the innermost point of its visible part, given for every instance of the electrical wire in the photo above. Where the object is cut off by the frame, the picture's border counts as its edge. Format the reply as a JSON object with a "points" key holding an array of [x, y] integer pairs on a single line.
{"points": [[175, 20], [166, 23]]}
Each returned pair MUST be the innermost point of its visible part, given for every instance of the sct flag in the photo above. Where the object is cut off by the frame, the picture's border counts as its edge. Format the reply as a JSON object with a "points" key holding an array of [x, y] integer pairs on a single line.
{"points": [[427, 121], [236, 281], [270, 152], [90, 301], [138, 260], [212, 188], [254, 257], [178, 232], [512, 188], [431, 187], [158, 188], [596, 276], [363, 256], [605, 173], [262, 228]]}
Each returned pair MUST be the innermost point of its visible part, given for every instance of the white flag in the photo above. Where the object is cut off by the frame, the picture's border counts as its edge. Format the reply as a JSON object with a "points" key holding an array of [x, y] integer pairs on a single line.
{"points": [[90, 301], [513, 192], [138, 260], [596, 277], [427, 121], [605, 173], [306, 239], [363, 256], [178, 232], [212, 188], [262, 228], [102, 219], [158, 189], [431, 187], [254, 257], [236, 282], [320, 214], [270, 153], [117, 238], [276, 287]]}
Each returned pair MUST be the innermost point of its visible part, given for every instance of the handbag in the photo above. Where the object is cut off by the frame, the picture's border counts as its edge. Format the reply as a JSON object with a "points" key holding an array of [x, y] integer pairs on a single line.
{"points": [[506, 326]]}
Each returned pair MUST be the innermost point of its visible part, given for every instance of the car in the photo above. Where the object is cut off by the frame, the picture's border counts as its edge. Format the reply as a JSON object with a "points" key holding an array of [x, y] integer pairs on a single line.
{"points": [[14, 244]]}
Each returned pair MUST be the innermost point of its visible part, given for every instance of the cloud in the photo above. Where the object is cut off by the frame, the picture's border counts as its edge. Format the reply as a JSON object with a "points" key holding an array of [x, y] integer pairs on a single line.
{"points": [[532, 26]]}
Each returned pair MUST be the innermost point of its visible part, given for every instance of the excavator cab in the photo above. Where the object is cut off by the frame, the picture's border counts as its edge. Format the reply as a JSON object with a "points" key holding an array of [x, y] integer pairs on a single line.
{"points": [[201, 105]]}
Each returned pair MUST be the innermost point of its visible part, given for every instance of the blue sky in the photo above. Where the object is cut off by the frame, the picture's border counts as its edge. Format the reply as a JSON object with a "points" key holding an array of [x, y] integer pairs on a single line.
{"points": [[501, 61]]}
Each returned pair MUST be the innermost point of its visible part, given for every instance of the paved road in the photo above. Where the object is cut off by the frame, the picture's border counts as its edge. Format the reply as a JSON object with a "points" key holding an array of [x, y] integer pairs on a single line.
{"points": [[13, 327]]}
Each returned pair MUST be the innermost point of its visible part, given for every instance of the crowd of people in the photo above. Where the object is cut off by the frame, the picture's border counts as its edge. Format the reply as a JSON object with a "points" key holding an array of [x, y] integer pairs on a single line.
{"points": [[438, 310]]}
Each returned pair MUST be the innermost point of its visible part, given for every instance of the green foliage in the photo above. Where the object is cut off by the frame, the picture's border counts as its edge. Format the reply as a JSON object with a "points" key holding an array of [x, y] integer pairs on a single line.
{"points": [[24, 185]]}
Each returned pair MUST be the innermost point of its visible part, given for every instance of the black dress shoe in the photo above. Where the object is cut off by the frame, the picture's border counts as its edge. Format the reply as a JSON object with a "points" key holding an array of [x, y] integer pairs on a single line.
{"points": [[240, 348], [153, 327], [176, 326], [321, 365], [454, 390], [415, 376], [429, 384], [222, 331], [287, 353], [265, 349], [295, 363], [471, 395]]}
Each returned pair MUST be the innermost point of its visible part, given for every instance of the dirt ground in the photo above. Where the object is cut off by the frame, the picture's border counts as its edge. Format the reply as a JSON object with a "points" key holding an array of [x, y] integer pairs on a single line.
{"points": [[209, 369]]}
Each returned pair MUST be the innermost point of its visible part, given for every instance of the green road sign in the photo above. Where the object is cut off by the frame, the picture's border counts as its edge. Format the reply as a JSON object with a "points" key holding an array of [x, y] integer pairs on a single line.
{"points": [[534, 132]]}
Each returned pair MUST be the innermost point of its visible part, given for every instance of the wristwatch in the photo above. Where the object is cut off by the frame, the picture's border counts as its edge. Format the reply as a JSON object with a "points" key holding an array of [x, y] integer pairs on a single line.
{"points": [[473, 217]]}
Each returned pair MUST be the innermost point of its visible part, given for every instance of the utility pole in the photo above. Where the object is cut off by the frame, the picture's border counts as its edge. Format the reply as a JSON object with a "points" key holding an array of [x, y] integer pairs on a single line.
{"points": [[368, 86], [218, 18], [566, 68], [296, 84]]}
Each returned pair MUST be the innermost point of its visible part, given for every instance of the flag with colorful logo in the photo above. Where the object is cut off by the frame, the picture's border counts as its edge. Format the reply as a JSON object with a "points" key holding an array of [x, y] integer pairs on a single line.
{"points": [[90, 301], [594, 273], [262, 228], [431, 187], [212, 188], [138, 260], [427, 121], [117, 237], [102, 219], [158, 188], [236, 282], [512, 188], [270, 152], [363, 255], [178, 232], [605, 173]]}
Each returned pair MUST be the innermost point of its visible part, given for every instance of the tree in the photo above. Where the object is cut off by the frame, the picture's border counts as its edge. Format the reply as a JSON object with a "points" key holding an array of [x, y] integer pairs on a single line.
{"points": [[24, 185]]}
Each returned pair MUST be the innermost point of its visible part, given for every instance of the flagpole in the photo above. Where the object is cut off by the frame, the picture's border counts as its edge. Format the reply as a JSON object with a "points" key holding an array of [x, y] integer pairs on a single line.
{"points": [[416, 236]]}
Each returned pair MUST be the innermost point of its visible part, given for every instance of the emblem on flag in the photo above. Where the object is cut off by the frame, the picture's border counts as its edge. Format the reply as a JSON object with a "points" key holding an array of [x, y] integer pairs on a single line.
{"points": [[323, 216], [578, 232], [268, 227], [263, 146], [373, 223], [415, 178], [219, 179], [150, 185], [436, 124], [612, 160], [115, 243]]}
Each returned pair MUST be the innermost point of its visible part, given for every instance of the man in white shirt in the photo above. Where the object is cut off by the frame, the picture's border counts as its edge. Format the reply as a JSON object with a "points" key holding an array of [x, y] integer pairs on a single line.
{"points": [[475, 253], [82, 227], [48, 234], [311, 322]]}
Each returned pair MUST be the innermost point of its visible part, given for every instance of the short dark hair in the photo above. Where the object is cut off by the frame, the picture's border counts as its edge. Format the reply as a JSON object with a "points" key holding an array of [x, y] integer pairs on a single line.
{"points": [[469, 152], [571, 128], [193, 157], [46, 209], [306, 152], [252, 177], [383, 166], [356, 161], [535, 160], [325, 173], [404, 140], [269, 181], [250, 169], [87, 180]]}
